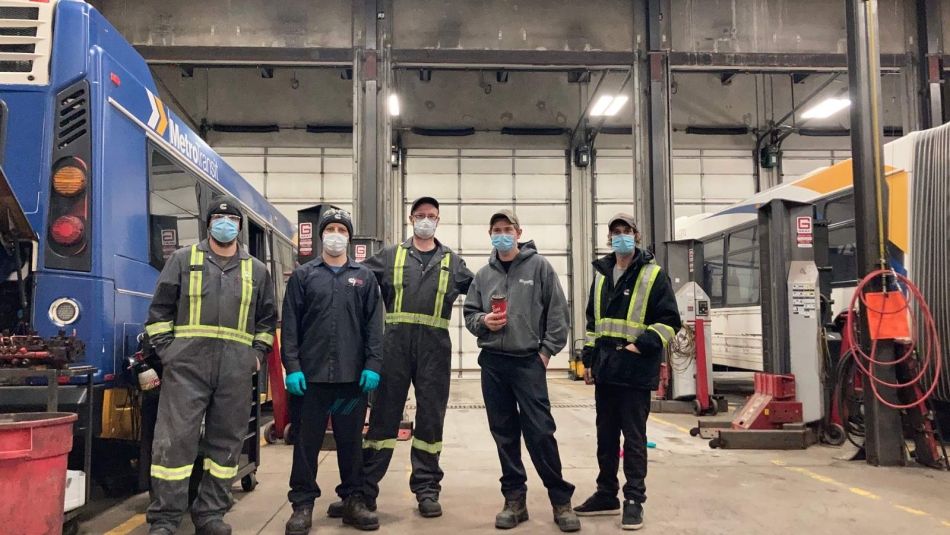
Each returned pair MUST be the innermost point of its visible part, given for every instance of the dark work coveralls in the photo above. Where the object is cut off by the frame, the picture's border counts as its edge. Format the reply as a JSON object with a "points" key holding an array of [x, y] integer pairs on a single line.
{"points": [[419, 298], [640, 310], [332, 330], [212, 321]]}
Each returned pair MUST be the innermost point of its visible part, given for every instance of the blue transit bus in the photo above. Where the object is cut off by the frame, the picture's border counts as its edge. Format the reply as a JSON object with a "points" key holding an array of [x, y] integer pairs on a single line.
{"points": [[111, 182]]}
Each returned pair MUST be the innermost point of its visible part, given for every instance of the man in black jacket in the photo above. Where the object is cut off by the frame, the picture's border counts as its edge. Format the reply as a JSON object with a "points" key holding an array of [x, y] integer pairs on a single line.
{"points": [[331, 346], [631, 317]]}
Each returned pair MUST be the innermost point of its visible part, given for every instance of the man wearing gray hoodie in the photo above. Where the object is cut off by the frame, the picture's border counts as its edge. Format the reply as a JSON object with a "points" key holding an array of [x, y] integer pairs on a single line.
{"points": [[517, 310]]}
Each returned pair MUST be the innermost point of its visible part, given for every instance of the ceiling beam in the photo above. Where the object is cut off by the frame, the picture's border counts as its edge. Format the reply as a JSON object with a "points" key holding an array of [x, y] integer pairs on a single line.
{"points": [[245, 55]]}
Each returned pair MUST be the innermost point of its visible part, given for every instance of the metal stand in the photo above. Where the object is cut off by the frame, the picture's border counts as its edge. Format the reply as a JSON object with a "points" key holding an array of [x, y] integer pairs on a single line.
{"points": [[52, 376]]}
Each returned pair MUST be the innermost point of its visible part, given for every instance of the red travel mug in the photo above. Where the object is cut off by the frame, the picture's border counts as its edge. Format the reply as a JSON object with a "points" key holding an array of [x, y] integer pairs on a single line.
{"points": [[499, 304]]}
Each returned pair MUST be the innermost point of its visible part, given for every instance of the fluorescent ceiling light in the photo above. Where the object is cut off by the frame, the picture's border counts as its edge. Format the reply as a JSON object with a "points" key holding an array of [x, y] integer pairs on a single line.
{"points": [[826, 108], [393, 105], [601, 106], [615, 106], [608, 105]]}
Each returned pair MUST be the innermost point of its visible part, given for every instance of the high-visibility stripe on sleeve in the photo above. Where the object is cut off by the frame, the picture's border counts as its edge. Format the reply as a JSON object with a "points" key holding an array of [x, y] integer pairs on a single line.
{"points": [[429, 447], [267, 338], [171, 474], [590, 339], [162, 327], [386, 444], [665, 332], [219, 471]]}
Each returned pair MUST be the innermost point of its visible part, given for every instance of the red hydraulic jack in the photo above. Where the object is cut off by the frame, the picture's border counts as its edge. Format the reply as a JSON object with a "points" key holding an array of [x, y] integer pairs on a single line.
{"points": [[705, 403], [772, 418]]}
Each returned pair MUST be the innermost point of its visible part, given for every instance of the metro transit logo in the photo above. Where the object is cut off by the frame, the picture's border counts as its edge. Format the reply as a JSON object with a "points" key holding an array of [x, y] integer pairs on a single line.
{"points": [[158, 120]]}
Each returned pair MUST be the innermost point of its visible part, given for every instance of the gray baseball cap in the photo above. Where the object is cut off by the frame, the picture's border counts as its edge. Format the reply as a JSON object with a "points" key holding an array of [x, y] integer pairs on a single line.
{"points": [[505, 214]]}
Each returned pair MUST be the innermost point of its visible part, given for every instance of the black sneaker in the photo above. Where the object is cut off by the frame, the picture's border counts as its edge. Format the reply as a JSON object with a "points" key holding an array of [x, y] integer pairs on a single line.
{"points": [[599, 505], [632, 515], [430, 508], [336, 508], [514, 513], [356, 514]]}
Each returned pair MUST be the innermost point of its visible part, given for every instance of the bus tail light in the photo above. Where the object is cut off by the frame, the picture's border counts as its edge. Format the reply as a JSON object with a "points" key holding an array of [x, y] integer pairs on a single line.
{"points": [[69, 216]]}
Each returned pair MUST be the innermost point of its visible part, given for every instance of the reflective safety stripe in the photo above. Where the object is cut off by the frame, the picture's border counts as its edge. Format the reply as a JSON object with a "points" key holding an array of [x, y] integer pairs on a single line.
{"points": [[418, 319], [665, 332], [161, 327], [213, 331], [220, 472], [632, 326], [399, 271], [194, 286], [398, 282], [443, 285], [429, 447], [267, 338], [590, 339], [247, 288], [171, 474], [387, 444]]}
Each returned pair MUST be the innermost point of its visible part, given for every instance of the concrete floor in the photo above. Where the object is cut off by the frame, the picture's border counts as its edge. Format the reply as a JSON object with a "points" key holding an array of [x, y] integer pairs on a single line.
{"points": [[692, 489]]}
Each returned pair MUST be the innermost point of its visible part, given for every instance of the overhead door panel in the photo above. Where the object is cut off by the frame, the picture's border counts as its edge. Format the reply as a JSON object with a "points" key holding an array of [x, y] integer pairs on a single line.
{"points": [[471, 185]]}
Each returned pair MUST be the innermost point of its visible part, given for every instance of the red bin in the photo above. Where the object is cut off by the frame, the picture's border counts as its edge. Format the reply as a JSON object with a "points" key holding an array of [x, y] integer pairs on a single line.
{"points": [[34, 447]]}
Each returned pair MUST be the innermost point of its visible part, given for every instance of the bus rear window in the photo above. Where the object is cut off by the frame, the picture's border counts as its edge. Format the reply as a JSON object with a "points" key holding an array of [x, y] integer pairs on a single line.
{"points": [[173, 212], [742, 272]]}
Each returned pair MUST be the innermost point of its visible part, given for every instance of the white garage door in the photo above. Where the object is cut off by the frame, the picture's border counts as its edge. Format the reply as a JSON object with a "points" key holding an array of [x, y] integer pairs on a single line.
{"points": [[295, 178], [470, 185]]}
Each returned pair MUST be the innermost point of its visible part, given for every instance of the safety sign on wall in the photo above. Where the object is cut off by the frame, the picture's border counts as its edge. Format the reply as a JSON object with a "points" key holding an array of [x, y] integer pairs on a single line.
{"points": [[359, 252], [805, 236]]}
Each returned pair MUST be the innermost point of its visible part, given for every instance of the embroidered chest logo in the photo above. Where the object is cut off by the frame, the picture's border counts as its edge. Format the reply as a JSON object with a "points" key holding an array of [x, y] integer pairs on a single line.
{"points": [[355, 282], [526, 282]]}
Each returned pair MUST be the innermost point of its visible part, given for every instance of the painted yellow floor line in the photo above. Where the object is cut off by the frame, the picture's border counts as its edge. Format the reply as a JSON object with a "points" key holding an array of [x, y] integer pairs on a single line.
{"points": [[669, 424], [865, 493], [128, 526], [912, 511]]}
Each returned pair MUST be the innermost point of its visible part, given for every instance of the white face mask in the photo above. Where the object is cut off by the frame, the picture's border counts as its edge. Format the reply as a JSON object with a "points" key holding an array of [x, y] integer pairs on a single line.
{"points": [[335, 244], [425, 229]]}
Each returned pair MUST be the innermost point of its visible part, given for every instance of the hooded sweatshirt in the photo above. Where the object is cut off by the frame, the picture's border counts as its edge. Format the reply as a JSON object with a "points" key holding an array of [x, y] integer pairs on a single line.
{"points": [[538, 315]]}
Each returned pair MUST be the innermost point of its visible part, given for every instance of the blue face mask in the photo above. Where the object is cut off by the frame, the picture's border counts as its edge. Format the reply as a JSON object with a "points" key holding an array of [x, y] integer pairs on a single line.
{"points": [[502, 242], [623, 244], [224, 230]]}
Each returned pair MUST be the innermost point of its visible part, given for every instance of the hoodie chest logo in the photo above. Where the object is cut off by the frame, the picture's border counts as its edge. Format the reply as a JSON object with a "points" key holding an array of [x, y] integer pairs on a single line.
{"points": [[626, 292], [526, 282]]}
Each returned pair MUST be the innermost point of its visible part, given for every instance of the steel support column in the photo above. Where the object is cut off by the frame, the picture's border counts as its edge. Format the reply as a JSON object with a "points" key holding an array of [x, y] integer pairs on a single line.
{"points": [[583, 241], [930, 55], [652, 149], [884, 436], [371, 123]]}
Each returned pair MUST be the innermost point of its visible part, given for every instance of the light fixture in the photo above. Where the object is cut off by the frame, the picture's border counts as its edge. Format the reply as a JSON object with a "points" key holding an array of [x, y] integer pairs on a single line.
{"points": [[608, 105], [393, 103], [826, 108]]}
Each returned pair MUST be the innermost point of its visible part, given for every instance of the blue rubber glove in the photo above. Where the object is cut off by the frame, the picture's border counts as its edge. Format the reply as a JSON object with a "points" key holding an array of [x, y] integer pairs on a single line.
{"points": [[369, 380], [296, 383]]}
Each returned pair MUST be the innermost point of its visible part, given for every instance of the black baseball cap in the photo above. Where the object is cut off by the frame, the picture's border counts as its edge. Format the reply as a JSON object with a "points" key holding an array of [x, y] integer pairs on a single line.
{"points": [[424, 200]]}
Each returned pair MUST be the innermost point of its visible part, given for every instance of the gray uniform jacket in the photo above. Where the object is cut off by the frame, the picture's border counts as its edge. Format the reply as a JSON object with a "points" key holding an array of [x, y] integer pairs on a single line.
{"points": [[538, 315], [196, 299]]}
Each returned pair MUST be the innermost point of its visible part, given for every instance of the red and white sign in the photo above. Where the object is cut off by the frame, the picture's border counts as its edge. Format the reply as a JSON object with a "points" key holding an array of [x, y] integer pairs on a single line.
{"points": [[306, 231], [804, 231], [359, 252], [306, 245]]}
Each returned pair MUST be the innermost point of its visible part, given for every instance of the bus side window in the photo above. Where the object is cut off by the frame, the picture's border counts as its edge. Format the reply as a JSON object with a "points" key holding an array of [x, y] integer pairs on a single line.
{"points": [[842, 255], [174, 214], [742, 268], [284, 262], [712, 270]]}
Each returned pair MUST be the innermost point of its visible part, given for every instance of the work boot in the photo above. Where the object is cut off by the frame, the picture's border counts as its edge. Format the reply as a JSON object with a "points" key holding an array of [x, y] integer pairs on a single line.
{"points": [[358, 515], [214, 527], [161, 531], [565, 518], [514, 513], [599, 505], [300, 521], [632, 515], [336, 508], [430, 508]]}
